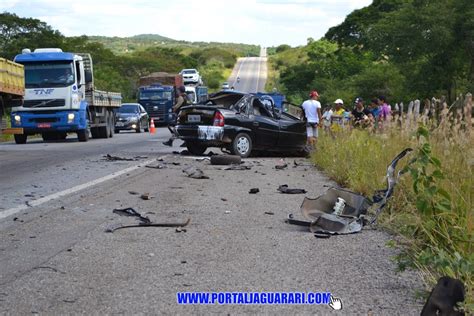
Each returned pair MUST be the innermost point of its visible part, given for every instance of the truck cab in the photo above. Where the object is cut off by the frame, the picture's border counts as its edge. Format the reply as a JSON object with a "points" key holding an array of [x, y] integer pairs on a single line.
{"points": [[158, 101], [60, 97]]}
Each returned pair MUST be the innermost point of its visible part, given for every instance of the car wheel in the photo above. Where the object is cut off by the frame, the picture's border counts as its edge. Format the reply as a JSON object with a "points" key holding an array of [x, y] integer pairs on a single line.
{"points": [[139, 128], [225, 159], [20, 138], [147, 128], [242, 145], [117, 131], [196, 148]]}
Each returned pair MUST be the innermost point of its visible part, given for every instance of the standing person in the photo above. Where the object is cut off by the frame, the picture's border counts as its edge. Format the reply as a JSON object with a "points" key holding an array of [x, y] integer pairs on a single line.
{"points": [[360, 115], [181, 100], [312, 113], [337, 118], [385, 111], [327, 118], [375, 110]]}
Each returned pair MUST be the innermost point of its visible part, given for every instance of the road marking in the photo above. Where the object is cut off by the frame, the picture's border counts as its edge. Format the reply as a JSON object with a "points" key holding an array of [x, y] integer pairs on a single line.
{"points": [[79, 187], [258, 73]]}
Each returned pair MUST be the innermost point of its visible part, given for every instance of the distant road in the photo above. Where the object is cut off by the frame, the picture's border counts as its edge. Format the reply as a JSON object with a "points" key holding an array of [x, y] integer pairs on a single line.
{"points": [[252, 72]]}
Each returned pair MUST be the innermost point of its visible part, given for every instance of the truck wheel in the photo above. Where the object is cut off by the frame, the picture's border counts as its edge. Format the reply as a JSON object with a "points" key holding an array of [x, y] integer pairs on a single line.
{"points": [[104, 131], [83, 135], [242, 145], [95, 132], [20, 138], [117, 131], [111, 124], [196, 148]]}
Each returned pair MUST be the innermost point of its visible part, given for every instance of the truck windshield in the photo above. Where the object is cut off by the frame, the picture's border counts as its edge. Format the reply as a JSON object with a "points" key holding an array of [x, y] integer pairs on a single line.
{"points": [[155, 95], [43, 74]]}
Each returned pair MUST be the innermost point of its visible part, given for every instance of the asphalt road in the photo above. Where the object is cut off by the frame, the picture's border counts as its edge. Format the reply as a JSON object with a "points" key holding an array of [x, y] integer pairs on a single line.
{"points": [[252, 72], [56, 203]]}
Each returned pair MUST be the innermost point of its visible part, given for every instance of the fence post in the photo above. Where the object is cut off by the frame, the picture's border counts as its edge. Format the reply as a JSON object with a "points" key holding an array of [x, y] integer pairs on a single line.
{"points": [[468, 113]]}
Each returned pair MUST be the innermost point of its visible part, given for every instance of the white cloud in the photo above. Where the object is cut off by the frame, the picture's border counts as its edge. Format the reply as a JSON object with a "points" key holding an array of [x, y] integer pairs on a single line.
{"points": [[262, 22]]}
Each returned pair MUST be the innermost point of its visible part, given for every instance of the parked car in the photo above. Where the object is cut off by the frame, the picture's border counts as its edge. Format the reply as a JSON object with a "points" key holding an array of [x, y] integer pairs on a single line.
{"points": [[131, 116], [191, 76], [225, 86], [241, 123]]}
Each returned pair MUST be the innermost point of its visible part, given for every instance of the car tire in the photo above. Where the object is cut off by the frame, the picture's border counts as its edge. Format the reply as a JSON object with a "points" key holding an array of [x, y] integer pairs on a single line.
{"points": [[139, 127], [20, 138], [147, 128], [117, 131], [226, 160], [242, 145], [196, 148]]}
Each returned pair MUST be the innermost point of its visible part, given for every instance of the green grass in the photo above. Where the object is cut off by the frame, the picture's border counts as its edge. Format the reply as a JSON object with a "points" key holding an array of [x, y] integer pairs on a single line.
{"points": [[432, 208]]}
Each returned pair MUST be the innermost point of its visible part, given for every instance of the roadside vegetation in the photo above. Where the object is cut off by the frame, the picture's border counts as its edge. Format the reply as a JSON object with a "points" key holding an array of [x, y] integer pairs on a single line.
{"points": [[404, 50]]}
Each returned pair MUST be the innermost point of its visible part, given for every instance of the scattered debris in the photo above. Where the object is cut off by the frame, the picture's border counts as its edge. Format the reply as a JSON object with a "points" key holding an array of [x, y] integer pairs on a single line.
{"points": [[238, 167], [284, 189], [133, 192], [269, 213], [109, 157], [29, 195], [140, 157], [227, 212], [144, 221], [146, 196], [254, 191], [226, 160], [155, 167], [281, 165], [225, 200], [203, 158], [131, 212], [180, 230], [15, 219], [176, 163], [297, 164], [444, 297], [195, 173], [63, 207], [183, 261]]}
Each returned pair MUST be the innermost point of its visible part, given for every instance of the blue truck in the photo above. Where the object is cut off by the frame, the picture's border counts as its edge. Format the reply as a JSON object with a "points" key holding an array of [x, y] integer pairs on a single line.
{"points": [[60, 98], [157, 94]]}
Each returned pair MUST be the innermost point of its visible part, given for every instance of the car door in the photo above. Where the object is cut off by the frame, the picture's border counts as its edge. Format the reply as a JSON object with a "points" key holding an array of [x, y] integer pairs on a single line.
{"points": [[266, 127], [292, 132], [143, 117]]}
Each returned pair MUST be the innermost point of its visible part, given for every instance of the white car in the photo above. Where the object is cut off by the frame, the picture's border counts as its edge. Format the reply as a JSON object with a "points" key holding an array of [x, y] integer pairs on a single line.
{"points": [[225, 86], [191, 76]]}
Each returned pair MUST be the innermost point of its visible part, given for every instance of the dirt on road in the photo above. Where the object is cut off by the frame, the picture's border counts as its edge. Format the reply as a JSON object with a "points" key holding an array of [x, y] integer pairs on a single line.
{"points": [[57, 258]]}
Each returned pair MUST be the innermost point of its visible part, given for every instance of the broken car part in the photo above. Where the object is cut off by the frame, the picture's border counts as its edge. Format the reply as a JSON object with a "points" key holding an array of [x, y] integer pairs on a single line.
{"points": [[112, 229], [132, 213], [254, 191], [340, 211], [284, 189], [195, 173], [226, 160], [109, 157]]}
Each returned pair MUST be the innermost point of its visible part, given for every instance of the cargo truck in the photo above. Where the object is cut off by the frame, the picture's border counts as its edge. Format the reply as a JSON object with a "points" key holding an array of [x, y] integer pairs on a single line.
{"points": [[60, 97], [157, 94], [12, 90]]}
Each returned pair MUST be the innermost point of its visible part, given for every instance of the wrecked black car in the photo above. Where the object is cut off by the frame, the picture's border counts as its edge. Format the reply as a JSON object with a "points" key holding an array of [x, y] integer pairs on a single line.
{"points": [[240, 123]]}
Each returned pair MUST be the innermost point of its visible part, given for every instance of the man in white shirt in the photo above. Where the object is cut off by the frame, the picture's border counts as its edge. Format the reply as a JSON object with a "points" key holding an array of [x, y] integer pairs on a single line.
{"points": [[312, 112]]}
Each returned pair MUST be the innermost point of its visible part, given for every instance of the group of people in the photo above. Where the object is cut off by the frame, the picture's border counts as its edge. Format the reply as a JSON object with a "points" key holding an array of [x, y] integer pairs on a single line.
{"points": [[336, 116]]}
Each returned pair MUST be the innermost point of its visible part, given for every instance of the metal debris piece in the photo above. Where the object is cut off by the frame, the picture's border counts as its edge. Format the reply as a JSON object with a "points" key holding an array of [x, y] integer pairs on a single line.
{"points": [[133, 192], [180, 230], [140, 157], [195, 173], [146, 196], [131, 212], [238, 167], [281, 165], [183, 224], [176, 163], [269, 213], [340, 211], [254, 191], [225, 200], [284, 189], [155, 167], [109, 157]]}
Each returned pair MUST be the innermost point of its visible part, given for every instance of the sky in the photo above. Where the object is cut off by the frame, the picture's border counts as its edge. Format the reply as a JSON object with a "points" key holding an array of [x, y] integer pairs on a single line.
{"points": [[261, 22]]}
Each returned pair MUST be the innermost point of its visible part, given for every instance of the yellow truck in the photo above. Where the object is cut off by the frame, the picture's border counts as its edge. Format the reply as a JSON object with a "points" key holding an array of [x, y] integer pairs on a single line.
{"points": [[12, 90]]}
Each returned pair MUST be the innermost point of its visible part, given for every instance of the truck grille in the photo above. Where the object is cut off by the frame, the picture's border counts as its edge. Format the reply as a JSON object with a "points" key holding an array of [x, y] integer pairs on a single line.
{"points": [[160, 112], [46, 103], [44, 120]]}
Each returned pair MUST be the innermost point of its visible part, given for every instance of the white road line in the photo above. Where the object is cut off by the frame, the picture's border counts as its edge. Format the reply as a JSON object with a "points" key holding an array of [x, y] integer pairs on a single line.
{"points": [[79, 187], [258, 74]]}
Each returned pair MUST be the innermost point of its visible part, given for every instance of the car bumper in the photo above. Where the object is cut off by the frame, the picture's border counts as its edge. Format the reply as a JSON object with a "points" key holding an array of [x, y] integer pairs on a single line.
{"points": [[125, 125], [211, 135]]}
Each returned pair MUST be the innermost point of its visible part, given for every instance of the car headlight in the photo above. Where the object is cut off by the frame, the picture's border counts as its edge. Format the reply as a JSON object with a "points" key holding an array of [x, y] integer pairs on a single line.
{"points": [[17, 118]]}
